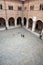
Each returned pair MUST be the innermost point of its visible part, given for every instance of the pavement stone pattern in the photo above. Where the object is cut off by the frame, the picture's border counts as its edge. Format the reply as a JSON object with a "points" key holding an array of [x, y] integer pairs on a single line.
{"points": [[17, 50]]}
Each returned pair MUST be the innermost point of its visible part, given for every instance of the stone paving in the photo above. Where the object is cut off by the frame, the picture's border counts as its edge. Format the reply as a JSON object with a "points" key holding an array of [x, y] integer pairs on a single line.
{"points": [[16, 50]]}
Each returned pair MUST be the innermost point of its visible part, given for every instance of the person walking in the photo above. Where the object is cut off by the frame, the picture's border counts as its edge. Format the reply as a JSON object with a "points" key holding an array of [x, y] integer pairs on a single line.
{"points": [[40, 36]]}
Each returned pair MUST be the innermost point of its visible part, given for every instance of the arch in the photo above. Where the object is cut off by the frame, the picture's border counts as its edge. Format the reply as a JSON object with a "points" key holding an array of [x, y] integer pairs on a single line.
{"points": [[11, 21], [25, 20], [39, 25], [2, 22], [30, 23], [19, 21]]}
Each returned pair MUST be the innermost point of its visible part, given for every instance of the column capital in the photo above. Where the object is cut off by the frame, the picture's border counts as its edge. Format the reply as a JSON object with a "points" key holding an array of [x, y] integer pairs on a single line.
{"points": [[34, 18]]}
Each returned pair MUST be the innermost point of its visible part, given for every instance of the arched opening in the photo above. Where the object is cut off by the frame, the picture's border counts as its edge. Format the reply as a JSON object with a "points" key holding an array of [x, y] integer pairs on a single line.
{"points": [[11, 21], [25, 21], [19, 21], [39, 25], [2, 22], [30, 23]]}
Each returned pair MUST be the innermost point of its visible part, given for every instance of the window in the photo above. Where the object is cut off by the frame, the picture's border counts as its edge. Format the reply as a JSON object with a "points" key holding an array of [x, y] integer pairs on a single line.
{"points": [[19, 8], [41, 6], [10, 7], [32, 7], [0, 6]]}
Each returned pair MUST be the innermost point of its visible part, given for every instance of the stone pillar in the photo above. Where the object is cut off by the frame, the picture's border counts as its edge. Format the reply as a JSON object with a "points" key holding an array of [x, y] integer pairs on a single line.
{"points": [[22, 22], [27, 24], [42, 33], [15, 22], [33, 26], [7, 26]]}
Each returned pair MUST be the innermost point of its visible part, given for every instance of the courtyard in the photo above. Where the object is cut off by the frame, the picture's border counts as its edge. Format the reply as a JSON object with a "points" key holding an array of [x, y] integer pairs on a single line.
{"points": [[17, 50]]}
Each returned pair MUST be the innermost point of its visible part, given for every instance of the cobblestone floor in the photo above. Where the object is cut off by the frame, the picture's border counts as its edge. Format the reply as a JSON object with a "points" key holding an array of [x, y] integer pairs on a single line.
{"points": [[16, 50]]}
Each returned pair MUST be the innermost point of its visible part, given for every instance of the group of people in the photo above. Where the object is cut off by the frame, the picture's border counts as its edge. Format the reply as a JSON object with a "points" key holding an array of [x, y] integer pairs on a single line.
{"points": [[22, 35]]}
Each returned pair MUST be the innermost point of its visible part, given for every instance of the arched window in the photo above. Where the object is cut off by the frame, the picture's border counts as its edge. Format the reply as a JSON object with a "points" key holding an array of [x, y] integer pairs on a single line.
{"points": [[2, 22], [39, 25], [30, 23], [19, 21], [25, 21], [11, 21]]}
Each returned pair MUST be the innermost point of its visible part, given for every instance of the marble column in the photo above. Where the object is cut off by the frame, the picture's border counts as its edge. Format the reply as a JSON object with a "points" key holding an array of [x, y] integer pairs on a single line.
{"points": [[22, 22], [27, 24], [34, 23], [15, 22], [42, 33], [33, 26], [7, 26]]}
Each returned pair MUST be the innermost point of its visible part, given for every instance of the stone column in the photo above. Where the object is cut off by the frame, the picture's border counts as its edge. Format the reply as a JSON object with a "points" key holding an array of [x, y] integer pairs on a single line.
{"points": [[15, 22], [7, 26], [27, 24], [42, 33], [33, 26], [22, 22]]}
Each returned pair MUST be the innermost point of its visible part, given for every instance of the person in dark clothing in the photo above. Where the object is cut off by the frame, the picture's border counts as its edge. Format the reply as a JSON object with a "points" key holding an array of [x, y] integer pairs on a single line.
{"points": [[40, 35], [22, 35]]}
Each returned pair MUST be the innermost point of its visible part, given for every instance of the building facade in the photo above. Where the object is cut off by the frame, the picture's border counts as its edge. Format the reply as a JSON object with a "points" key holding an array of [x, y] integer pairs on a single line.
{"points": [[30, 13]]}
